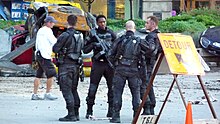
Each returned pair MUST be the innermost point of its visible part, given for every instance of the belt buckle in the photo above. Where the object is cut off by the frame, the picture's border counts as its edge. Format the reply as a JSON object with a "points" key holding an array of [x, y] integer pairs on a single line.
{"points": [[102, 60]]}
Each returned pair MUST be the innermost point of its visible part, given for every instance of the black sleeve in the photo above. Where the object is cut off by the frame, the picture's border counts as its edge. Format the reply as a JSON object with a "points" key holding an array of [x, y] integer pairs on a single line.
{"points": [[113, 35], [114, 48], [61, 40], [148, 45], [89, 44]]}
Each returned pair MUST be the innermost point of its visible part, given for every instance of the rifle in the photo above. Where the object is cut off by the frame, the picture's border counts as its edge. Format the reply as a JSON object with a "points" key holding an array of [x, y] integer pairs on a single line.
{"points": [[104, 46]]}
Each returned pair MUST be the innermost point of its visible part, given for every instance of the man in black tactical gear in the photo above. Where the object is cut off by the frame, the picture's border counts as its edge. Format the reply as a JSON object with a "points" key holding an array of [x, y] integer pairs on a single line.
{"points": [[68, 48], [152, 26], [126, 53], [100, 64]]}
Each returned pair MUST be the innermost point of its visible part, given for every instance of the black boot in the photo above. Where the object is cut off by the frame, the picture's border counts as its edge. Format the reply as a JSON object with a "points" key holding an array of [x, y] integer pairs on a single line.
{"points": [[110, 111], [115, 118], [89, 111], [152, 109], [77, 113], [134, 113], [70, 117], [146, 110]]}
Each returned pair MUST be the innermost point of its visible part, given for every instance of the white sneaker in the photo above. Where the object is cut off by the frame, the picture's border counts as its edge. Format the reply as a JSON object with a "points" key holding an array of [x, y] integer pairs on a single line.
{"points": [[50, 96], [36, 97]]}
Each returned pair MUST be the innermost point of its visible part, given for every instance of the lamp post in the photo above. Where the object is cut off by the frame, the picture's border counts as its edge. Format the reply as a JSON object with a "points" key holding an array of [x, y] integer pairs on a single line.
{"points": [[131, 9]]}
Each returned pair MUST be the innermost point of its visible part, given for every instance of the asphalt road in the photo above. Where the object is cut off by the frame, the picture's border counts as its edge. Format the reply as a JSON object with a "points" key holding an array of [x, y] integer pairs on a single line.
{"points": [[17, 108]]}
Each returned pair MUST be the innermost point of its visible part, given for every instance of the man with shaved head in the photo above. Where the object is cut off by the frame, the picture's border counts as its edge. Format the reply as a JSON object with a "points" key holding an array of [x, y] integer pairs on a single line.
{"points": [[130, 25], [126, 53]]}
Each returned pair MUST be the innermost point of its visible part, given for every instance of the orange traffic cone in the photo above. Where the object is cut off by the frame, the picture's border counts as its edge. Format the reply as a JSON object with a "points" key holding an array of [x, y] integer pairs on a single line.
{"points": [[189, 118]]}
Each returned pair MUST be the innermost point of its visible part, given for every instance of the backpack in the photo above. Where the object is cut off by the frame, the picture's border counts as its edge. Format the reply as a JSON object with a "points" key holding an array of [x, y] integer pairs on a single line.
{"points": [[74, 45], [129, 50]]}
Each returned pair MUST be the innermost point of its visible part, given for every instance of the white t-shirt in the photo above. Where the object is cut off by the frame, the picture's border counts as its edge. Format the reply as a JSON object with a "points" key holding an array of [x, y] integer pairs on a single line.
{"points": [[45, 41]]}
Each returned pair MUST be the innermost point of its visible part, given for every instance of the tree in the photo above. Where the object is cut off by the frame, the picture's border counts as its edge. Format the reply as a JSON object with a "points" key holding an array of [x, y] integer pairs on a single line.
{"points": [[89, 3]]}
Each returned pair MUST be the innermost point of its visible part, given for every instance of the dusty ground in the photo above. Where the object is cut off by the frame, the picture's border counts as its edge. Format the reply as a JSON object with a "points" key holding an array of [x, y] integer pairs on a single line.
{"points": [[17, 108]]}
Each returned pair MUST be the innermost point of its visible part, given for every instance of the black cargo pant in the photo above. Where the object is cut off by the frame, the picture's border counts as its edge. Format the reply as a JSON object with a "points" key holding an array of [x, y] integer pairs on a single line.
{"points": [[68, 75], [150, 65], [119, 80], [151, 101], [144, 83], [99, 69]]}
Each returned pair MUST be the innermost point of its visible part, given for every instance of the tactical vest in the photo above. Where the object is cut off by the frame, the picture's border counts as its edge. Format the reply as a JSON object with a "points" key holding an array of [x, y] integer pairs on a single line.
{"points": [[129, 51], [107, 38], [74, 45], [106, 42]]}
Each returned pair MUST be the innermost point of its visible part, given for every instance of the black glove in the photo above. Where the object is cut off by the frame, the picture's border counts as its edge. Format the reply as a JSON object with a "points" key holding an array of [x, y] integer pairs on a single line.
{"points": [[97, 46]]}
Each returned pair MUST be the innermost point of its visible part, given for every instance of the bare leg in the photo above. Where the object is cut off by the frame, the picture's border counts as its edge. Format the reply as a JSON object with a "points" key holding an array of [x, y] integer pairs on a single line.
{"points": [[49, 84], [36, 85]]}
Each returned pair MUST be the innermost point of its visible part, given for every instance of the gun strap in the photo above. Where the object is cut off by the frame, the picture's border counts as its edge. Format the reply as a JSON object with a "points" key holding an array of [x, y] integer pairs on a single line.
{"points": [[70, 40]]}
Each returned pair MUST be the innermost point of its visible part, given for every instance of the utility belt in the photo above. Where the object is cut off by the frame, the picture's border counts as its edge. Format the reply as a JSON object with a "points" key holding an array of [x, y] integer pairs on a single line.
{"points": [[70, 58], [128, 62]]}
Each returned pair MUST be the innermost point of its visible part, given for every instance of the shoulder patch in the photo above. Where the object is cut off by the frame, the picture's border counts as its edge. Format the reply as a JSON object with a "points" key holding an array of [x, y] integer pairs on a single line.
{"points": [[134, 41]]}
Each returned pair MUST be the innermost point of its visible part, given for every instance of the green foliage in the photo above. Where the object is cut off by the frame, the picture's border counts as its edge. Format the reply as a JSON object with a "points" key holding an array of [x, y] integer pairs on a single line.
{"points": [[210, 17], [191, 23], [179, 26], [165, 26], [183, 17], [204, 11], [139, 23], [208, 20], [6, 24], [195, 26], [117, 25]]}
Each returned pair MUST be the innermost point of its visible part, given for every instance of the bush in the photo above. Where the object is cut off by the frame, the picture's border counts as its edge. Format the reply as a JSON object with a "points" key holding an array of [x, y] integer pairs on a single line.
{"points": [[207, 20], [6, 24], [183, 17], [191, 23], [204, 11], [117, 25], [179, 26], [210, 17]]}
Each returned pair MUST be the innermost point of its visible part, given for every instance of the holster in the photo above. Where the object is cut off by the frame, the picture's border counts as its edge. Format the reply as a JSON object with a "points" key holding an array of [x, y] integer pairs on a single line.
{"points": [[60, 60]]}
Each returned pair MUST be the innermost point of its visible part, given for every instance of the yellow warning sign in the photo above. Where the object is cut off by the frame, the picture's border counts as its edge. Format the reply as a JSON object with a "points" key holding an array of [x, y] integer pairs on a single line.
{"points": [[180, 53]]}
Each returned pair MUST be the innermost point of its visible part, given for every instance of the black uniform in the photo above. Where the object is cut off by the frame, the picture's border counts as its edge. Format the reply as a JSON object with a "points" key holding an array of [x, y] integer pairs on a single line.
{"points": [[150, 62], [69, 45], [100, 66], [127, 53]]}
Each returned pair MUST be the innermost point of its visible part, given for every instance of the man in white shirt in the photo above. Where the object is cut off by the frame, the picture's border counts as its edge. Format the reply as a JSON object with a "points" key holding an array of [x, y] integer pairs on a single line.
{"points": [[44, 43]]}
